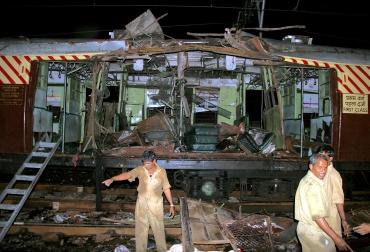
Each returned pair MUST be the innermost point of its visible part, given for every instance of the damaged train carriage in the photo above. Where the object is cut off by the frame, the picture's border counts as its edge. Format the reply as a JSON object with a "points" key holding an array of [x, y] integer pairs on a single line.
{"points": [[236, 113]]}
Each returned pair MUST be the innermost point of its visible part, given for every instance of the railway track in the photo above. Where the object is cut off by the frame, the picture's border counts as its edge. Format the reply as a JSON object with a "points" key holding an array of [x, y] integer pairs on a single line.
{"points": [[38, 216], [65, 197], [47, 229]]}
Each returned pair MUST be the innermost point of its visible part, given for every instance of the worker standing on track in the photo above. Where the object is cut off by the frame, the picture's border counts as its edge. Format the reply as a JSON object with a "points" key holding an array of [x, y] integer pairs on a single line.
{"points": [[333, 186], [153, 182], [311, 209]]}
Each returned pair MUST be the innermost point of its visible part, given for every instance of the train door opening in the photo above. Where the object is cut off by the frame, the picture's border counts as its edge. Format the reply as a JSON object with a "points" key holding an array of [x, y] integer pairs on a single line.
{"points": [[60, 102], [307, 120], [205, 105], [254, 107], [42, 115]]}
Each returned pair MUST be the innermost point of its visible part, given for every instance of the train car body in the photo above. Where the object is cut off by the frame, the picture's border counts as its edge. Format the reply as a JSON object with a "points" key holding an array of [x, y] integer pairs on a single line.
{"points": [[275, 100]]}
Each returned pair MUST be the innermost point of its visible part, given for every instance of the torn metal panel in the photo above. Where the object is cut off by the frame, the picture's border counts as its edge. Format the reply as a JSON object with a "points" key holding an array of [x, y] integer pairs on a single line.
{"points": [[145, 24], [59, 46], [226, 130], [157, 129], [324, 53], [186, 47], [251, 44], [207, 60], [257, 140], [157, 123]]}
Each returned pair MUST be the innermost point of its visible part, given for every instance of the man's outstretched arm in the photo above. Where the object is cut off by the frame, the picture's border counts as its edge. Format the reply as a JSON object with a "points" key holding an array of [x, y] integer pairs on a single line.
{"points": [[119, 177]]}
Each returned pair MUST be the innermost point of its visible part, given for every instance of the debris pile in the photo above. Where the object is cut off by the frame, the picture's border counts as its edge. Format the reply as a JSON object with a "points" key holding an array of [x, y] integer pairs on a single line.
{"points": [[202, 138], [262, 233], [26, 241], [48, 216], [171, 67], [158, 133], [257, 140]]}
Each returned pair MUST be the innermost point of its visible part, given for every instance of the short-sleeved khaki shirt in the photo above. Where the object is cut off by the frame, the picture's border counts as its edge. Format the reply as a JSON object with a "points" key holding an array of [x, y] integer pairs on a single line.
{"points": [[311, 201], [150, 185], [334, 191], [333, 184]]}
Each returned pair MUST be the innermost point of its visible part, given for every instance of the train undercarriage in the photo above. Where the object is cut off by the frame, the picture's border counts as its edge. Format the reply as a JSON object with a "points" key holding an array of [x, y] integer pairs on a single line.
{"points": [[207, 177]]}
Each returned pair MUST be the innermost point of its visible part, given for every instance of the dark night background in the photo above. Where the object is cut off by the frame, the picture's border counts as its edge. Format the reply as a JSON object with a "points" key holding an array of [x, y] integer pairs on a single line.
{"points": [[328, 22]]}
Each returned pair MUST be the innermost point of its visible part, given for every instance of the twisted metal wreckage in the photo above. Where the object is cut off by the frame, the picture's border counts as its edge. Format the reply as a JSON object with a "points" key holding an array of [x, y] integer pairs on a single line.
{"points": [[171, 67], [223, 111]]}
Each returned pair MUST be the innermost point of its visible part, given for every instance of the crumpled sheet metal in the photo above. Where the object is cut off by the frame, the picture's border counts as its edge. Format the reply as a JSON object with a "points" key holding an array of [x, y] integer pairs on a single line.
{"points": [[256, 232], [155, 128]]}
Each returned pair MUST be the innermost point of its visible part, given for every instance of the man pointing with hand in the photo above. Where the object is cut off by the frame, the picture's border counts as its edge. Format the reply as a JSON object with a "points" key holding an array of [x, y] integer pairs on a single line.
{"points": [[153, 182]]}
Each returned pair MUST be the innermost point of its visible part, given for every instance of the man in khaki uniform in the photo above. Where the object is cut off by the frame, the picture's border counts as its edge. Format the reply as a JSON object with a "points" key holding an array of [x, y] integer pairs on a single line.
{"points": [[153, 182], [311, 208], [334, 190]]}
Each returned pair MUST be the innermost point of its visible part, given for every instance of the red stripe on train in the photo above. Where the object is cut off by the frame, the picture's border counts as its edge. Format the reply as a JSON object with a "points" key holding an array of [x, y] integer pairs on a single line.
{"points": [[17, 60], [363, 72], [28, 58], [355, 85], [7, 75], [358, 77], [14, 70], [339, 68], [344, 85]]}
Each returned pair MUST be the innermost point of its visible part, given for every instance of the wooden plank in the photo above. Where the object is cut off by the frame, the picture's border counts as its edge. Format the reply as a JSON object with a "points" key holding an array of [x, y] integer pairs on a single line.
{"points": [[203, 221], [197, 223], [206, 230], [187, 242], [199, 231], [209, 216], [212, 245], [212, 242]]}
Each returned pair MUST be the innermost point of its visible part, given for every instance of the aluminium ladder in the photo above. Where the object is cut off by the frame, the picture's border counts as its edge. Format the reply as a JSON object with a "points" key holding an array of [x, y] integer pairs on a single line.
{"points": [[42, 151]]}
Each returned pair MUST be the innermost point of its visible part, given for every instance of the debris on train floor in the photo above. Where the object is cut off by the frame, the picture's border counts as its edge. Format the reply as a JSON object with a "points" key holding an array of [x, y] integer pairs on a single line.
{"points": [[158, 133]]}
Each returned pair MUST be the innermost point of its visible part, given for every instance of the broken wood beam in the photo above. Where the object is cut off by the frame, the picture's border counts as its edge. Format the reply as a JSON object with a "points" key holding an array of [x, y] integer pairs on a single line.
{"points": [[186, 236], [276, 28], [205, 34], [212, 242]]}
